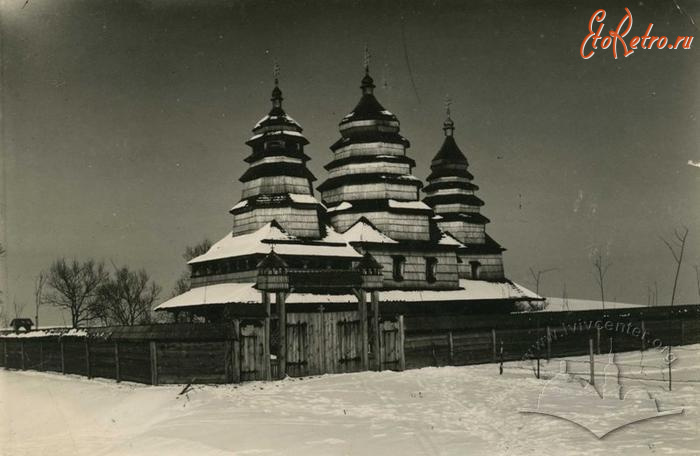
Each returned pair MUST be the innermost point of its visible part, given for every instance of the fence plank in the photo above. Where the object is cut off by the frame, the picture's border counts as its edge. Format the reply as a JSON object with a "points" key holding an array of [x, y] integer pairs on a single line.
{"points": [[154, 362]]}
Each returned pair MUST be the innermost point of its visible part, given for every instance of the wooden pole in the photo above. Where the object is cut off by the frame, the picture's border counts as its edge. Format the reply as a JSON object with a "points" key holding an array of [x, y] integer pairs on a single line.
{"points": [[495, 349], [154, 362], [322, 340], [267, 371], [21, 347], [598, 339], [549, 344], [376, 329], [63, 356], [591, 359], [401, 341], [670, 387], [117, 373], [282, 313], [87, 358], [362, 307], [451, 344], [236, 353], [500, 367]]}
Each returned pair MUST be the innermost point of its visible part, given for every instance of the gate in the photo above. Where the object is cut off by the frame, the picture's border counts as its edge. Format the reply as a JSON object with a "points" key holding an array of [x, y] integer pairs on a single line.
{"points": [[252, 353], [391, 345]]}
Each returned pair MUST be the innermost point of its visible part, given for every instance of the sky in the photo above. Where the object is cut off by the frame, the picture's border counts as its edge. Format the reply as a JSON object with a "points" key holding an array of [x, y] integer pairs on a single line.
{"points": [[123, 126]]}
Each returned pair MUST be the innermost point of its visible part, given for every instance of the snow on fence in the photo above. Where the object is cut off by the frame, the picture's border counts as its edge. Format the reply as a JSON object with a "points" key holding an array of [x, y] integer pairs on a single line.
{"points": [[476, 339], [196, 353], [317, 343]]}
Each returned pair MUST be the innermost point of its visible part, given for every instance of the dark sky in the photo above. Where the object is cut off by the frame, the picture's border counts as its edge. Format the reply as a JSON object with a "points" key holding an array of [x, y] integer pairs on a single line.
{"points": [[124, 124]]}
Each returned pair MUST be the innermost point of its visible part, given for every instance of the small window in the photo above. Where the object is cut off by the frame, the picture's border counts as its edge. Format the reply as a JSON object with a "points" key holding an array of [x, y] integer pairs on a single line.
{"points": [[476, 266], [399, 267], [431, 269]]}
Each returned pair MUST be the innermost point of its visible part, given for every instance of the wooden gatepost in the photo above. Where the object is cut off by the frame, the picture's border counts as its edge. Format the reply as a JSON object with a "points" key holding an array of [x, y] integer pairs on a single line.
{"points": [[372, 280], [273, 277]]}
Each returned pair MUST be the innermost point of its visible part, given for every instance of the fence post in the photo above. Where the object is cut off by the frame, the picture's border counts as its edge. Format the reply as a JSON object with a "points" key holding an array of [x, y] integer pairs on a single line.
{"points": [[63, 357], [669, 368], [87, 358], [591, 358], [236, 353], [493, 340], [117, 372], [41, 354], [402, 358], [450, 342], [322, 339], [644, 333], [362, 295], [682, 331], [282, 314], [598, 339], [549, 344], [21, 347], [267, 370], [154, 362], [376, 329]]}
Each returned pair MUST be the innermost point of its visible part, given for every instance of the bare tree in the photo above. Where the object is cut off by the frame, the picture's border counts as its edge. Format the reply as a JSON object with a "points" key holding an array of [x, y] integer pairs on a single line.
{"points": [[127, 298], [38, 295], [183, 283], [537, 277], [601, 264], [3, 310], [17, 308], [677, 247], [74, 287]]}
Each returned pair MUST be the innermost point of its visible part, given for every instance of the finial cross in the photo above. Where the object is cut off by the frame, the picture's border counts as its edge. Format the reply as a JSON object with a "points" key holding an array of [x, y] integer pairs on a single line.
{"points": [[367, 58]]}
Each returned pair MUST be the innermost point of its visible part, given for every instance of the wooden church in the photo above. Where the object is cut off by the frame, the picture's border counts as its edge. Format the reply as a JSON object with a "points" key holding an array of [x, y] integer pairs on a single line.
{"points": [[372, 229]]}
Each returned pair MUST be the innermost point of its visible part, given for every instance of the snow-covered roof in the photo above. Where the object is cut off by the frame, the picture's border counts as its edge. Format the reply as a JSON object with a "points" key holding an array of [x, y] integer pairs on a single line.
{"points": [[259, 242], [340, 207], [244, 293], [408, 204], [448, 239], [363, 231], [268, 117], [471, 290], [301, 198], [240, 204], [563, 305], [276, 132]]}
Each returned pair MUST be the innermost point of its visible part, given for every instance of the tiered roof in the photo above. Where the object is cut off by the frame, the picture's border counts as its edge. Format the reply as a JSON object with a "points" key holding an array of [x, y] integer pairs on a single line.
{"points": [[370, 173], [277, 185], [451, 194]]}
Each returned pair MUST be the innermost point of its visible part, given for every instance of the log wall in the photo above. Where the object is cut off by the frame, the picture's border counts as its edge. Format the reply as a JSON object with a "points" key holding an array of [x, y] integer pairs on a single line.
{"points": [[296, 221]]}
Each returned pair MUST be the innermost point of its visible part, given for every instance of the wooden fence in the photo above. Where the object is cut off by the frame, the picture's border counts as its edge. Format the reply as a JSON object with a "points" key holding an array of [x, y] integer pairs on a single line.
{"points": [[317, 343], [331, 342], [461, 340]]}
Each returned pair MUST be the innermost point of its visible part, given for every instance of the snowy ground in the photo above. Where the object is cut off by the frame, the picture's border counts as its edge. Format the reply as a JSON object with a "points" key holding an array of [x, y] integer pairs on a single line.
{"points": [[562, 305], [432, 411]]}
